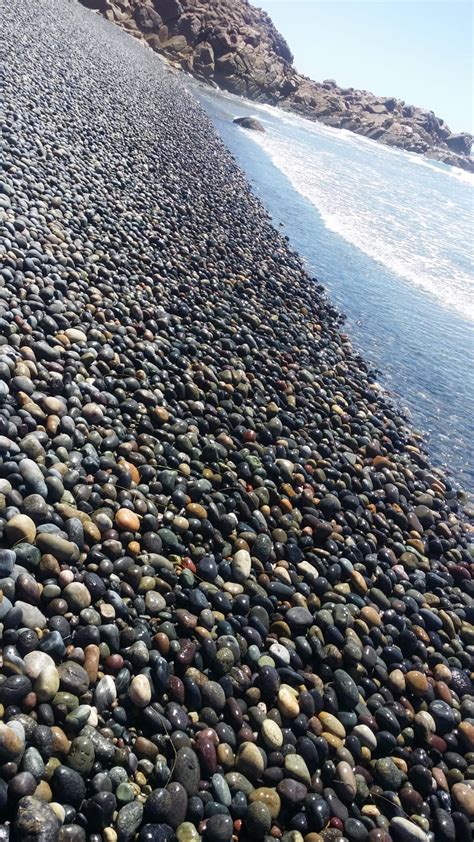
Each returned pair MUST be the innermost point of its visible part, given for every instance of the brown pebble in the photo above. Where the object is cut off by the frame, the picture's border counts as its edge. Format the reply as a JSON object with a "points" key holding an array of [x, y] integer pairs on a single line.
{"points": [[416, 682], [127, 520], [91, 661], [145, 748]]}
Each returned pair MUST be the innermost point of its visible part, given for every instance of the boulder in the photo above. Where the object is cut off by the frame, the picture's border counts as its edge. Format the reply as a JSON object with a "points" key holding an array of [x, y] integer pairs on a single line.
{"points": [[169, 10], [226, 65], [249, 123], [147, 18], [203, 59], [222, 41], [390, 103], [176, 44], [190, 26], [94, 4], [460, 143]]}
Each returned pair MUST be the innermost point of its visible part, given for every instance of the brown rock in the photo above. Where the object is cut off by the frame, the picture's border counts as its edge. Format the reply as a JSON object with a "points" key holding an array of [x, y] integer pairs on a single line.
{"points": [[416, 682], [463, 796], [127, 520], [91, 661]]}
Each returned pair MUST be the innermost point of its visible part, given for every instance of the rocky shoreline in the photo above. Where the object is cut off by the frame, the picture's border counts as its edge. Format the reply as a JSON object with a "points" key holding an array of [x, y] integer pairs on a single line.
{"points": [[234, 45], [236, 602]]}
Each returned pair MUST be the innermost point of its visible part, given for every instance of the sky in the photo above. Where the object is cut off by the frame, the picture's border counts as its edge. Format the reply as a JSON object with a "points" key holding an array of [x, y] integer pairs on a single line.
{"points": [[417, 50]]}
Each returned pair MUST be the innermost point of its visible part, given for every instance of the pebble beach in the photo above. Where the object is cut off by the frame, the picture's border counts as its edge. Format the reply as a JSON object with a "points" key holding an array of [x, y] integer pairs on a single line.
{"points": [[236, 600]]}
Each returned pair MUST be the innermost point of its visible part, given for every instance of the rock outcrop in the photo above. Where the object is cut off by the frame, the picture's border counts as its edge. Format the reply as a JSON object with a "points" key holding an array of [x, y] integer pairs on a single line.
{"points": [[249, 123], [236, 46]]}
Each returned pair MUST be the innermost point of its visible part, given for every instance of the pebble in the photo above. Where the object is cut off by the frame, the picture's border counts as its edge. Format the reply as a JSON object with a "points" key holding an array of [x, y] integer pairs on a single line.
{"points": [[140, 691], [31, 616], [241, 565], [249, 761], [35, 820], [258, 819], [21, 528], [187, 770], [47, 684], [73, 678], [464, 798], [272, 734], [403, 830], [296, 768]]}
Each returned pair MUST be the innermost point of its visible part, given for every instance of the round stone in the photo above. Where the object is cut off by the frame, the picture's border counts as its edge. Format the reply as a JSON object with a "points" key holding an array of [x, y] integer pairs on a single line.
{"points": [[21, 528]]}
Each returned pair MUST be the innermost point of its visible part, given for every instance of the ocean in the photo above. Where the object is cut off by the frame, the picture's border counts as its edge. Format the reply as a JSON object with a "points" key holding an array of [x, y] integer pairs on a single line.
{"points": [[389, 234]]}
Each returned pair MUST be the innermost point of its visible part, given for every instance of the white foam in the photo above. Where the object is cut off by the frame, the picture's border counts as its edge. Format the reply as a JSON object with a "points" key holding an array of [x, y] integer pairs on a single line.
{"points": [[344, 135], [412, 215], [412, 221]]}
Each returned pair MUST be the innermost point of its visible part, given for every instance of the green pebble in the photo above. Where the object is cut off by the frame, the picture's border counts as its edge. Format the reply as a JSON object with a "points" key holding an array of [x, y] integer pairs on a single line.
{"points": [[186, 832], [124, 793]]}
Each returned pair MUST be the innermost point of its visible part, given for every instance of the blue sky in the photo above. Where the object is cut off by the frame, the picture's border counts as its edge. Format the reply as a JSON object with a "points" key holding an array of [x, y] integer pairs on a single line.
{"points": [[416, 50]]}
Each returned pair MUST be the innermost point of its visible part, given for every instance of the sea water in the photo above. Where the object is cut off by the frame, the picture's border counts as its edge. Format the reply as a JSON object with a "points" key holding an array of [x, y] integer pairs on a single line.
{"points": [[390, 236]]}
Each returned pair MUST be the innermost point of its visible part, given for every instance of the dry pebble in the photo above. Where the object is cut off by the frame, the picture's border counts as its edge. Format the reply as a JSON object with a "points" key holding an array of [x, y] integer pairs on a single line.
{"points": [[236, 600]]}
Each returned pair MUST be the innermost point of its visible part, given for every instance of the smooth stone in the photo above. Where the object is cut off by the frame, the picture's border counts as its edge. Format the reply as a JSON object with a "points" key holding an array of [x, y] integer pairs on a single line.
{"points": [[299, 617], [258, 819], [21, 528], [179, 803], [12, 742], [105, 693], [73, 678], [291, 792], [187, 770], [186, 832], [35, 662], [403, 830], [69, 786], [219, 829], [7, 560], [239, 783], [249, 761], [77, 596], [129, 819], [60, 548], [241, 566], [139, 691], [269, 797], [296, 768], [287, 703], [463, 795], [33, 762], [345, 782], [333, 725], [31, 616], [365, 736], [318, 812], [355, 830], [272, 734], [81, 755], [416, 682], [127, 520], [388, 774], [13, 689], [444, 827], [221, 790], [346, 689]]}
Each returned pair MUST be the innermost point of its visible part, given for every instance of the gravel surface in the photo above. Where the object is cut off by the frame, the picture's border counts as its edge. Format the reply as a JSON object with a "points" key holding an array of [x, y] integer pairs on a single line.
{"points": [[235, 600]]}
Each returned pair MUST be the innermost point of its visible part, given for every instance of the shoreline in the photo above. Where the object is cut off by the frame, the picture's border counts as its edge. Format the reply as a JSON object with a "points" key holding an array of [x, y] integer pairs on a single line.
{"points": [[296, 214], [236, 600], [216, 45]]}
